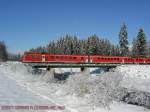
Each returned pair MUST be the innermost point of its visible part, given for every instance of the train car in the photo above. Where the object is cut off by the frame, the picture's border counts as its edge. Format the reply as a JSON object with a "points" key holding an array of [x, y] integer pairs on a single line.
{"points": [[32, 57], [54, 58], [111, 59], [91, 59], [61, 58]]}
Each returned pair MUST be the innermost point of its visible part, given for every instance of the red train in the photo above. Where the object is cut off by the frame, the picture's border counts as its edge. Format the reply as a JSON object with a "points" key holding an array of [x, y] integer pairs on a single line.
{"points": [[61, 58]]}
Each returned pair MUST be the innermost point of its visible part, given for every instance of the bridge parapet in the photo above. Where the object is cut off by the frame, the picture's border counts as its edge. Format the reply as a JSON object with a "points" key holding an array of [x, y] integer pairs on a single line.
{"points": [[71, 65]]}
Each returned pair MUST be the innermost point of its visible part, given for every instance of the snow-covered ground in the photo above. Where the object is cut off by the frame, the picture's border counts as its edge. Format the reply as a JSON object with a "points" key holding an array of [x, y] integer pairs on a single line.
{"points": [[81, 92], [136, 77]]}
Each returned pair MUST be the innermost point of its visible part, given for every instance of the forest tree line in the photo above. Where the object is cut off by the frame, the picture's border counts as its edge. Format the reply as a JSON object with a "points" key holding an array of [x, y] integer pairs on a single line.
{"points": [[95, 45], [73, 45]]}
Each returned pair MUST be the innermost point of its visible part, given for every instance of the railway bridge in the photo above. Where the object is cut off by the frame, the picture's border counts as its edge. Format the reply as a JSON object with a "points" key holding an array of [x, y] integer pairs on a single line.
{"points": [[48, 66], [49, 61]]}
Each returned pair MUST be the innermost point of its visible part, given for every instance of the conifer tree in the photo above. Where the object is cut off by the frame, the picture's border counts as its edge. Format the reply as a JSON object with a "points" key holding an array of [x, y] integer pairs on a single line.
{"points": [[123, 41], [3, 52], [141, 43], [134, 47]]}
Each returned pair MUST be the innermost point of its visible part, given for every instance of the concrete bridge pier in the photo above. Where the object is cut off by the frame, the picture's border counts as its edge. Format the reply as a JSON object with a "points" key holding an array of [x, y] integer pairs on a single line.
{"points": [[82, 69], [49, 76], [51, 70], [85, 70]]}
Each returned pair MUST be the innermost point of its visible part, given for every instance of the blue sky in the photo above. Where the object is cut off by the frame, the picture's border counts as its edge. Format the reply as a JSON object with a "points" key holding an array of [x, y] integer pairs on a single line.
{"points": [[29, 23]]}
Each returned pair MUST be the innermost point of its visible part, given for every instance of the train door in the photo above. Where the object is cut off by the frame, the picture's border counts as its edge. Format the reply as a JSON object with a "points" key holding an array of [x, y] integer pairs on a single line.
{"points": [[87, 60], [123, 60], [91, 59], [43, 58]]}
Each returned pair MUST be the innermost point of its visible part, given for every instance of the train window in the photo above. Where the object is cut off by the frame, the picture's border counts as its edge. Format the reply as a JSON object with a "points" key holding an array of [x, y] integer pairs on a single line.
{"points": [[74, 57], [33, 56], [36, 56]]}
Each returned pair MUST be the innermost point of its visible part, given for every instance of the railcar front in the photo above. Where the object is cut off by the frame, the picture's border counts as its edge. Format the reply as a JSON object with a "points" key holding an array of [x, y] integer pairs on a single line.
{"points": [[32, 57]]}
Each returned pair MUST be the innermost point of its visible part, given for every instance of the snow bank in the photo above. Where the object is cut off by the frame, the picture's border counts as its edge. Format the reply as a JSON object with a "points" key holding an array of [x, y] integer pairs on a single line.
{"points": [[136, 77], [81, 91], [135, 71], [101, 90]]}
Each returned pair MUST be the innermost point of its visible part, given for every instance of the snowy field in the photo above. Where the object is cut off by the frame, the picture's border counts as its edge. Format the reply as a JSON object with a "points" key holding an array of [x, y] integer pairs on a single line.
{"points": [[80, 92]]}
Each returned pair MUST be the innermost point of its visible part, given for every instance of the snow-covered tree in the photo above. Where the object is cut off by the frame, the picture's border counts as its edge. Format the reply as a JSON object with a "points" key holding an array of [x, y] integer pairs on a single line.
{"points": [[134, 47], [123, 41], [72, 45], [83, 48], [141, 43], [148, 48], [92, 44], [3, 52]]}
